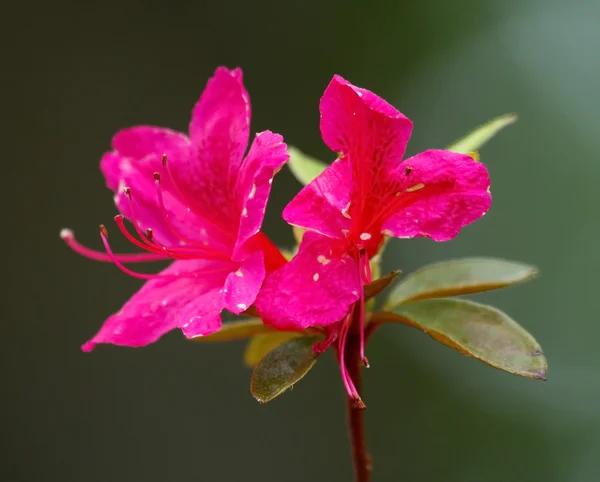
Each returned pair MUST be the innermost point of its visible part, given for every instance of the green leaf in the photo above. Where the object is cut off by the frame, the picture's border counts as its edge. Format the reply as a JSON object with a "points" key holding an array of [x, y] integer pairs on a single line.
{"points": [[260, 345], [283, 367], [377, 286], [478, 137], [477, 331], [237, 330], [303, 167], [459, 277]]}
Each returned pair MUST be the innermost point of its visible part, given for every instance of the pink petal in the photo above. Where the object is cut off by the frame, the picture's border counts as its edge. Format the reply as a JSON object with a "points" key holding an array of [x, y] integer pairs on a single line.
{"points": [[316, 288], [219, 131], [267, 154], [192, 304], [242, 286], [366, 129], [183, 223], [136, 143], [321, 205], [443, 192]]}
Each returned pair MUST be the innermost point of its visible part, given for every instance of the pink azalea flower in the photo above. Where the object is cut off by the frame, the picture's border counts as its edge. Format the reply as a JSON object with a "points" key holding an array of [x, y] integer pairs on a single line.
{"points": [[198, 201], [365, 195]]}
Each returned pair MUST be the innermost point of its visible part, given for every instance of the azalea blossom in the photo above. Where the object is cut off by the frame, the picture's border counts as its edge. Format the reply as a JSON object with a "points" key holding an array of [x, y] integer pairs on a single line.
{"points": [[367, 194], [197, 200]]}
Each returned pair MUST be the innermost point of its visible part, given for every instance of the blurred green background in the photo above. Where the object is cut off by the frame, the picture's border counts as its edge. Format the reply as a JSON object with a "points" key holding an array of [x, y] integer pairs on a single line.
{"points": [[179, 411]]}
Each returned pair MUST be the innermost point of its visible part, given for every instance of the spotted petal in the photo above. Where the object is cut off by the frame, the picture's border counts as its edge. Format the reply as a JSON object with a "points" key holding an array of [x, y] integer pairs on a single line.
{"points": [[321, 205], [163, 304], [242, 286], [315, 288], [219, 131], [366, 129], [442, 192], [266, 156]]}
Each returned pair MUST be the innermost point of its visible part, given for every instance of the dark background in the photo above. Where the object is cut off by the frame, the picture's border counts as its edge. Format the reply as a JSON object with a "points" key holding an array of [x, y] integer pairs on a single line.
{"points": [[75, 73]]}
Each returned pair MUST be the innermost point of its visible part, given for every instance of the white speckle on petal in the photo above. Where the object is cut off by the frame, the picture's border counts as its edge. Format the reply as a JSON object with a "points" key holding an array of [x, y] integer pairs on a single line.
{"points": [[244, 212], [416, 187], [345, 212], [365, 236], [224, 290], [316, 276], [271, 181], [241, 306], [345, 232], [323, 260], [252, 192], [239, 273], [387, 232], [355, 293], [164, 303], [358, 93]]}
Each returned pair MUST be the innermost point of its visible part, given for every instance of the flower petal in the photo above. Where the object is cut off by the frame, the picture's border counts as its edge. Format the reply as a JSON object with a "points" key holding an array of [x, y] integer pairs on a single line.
{"points": [[136, 144], [183, 223], [267, 155], [365, 128], [192, 304], [313, 289], [219, 131], [137, 155], [321, 204], [442, 192], [242, 286]]}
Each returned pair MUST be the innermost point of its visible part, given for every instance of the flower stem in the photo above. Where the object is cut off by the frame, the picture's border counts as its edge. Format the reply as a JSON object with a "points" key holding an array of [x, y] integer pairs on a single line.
{"points": [[361, 458]]}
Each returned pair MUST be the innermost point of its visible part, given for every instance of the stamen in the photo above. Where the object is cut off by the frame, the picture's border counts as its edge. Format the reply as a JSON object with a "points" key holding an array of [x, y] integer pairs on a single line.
{"points": [[348, 383], [365, 274], [365, 267], [189, 274], [175, 253], [134, 221], [361, 315], [69, 238]]}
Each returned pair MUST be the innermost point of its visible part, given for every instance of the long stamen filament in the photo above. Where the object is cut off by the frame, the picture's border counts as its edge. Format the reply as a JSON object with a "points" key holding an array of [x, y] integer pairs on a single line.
{"points": [[348, 383], [69, 238], [189, 274]]}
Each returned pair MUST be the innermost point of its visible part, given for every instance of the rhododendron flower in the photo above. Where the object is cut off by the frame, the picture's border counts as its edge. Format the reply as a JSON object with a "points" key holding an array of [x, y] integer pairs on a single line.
{"points": [[364, 196], [197, 200]]}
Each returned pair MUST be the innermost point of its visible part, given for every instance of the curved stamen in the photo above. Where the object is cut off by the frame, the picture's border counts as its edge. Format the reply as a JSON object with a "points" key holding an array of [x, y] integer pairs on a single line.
{"points": [[361, 302], [365, 273], [174, 253], [134, 221], [348, 383], [188, 274], [69, 238]]}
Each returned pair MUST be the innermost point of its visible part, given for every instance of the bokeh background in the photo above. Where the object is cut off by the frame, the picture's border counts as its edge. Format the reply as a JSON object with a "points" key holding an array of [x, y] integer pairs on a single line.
{"points": [[179, 411]]}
